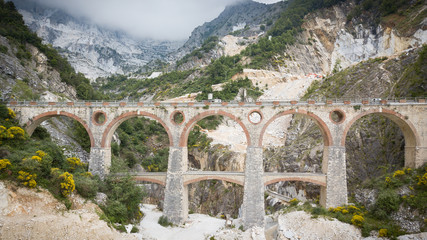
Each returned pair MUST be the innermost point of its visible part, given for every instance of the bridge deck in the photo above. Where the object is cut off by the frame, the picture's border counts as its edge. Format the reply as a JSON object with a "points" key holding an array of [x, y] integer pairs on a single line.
{"points": [[267, 102]]}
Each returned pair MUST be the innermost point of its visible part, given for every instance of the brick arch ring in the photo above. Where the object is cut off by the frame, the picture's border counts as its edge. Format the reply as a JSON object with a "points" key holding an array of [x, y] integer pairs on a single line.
{"points": [[37, 120], [184, 135], [326, 133], [114, 124], [410, 134]]}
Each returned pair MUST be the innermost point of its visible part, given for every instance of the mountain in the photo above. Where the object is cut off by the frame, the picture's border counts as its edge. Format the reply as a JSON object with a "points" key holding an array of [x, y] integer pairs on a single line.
{"points": [[243, 18], [91, 49]]}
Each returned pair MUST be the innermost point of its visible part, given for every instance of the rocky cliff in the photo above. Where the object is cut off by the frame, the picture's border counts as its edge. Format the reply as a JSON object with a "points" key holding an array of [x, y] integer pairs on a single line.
{"points": [[30, 79], [243, 18], [92, 50]]}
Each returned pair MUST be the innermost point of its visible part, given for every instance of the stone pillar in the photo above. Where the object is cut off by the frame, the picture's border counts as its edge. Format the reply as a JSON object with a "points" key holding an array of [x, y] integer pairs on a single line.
{"points": [[253, 197], [175, 206], [420, 155], [336, 181], [100, 161]]}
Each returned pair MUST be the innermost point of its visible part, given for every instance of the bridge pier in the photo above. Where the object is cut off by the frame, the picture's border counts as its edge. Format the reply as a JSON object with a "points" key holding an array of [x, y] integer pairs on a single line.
{"points": [[175, 206], [253, 196], [100, 161], [335, 193]]}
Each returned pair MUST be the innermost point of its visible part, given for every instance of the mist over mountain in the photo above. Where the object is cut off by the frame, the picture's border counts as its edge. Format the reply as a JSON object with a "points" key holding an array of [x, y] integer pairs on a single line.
{"points": [[91, 49]]}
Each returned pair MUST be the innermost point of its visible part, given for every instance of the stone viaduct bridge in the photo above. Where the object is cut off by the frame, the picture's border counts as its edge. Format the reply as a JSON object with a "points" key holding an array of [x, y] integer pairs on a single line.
{"points": [[334, 119]]}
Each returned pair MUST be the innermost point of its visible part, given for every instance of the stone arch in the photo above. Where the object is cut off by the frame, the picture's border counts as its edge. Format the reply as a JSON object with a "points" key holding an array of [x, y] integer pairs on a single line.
{"points": [[150, 179], [184, 136], [409, 132], [327, 137], [296, 179], [37, 120], [227, 179], [115, 123]]}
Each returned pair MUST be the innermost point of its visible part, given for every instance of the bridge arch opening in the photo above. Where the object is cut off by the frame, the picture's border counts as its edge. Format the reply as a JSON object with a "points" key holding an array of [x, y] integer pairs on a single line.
{"points": [[154, 190], [294, 142], [281, 191], [377, 142], [138, 143], [60, 125], [216, 141], [293, 148], [215, 197], [37, 120]]}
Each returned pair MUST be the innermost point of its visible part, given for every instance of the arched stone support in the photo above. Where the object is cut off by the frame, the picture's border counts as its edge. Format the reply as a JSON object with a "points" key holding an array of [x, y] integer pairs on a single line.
{"points": [[176, 192], [253, 196]]}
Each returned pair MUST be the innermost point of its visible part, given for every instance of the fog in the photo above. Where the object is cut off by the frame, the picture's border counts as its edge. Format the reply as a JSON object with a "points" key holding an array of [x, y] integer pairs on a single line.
{"points": [[155, 19]]}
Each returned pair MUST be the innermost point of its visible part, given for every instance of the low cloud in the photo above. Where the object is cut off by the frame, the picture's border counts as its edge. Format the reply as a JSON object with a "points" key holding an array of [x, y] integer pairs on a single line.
{"points": [[159, 19]]}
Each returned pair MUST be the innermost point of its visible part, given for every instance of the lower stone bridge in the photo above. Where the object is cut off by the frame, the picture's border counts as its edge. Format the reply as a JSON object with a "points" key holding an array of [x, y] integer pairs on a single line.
{"points": [[233, 177], [334, 119]]}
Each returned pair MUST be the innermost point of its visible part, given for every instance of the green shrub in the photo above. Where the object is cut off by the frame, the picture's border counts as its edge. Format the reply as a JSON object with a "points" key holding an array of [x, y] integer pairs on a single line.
{"points": [[134, 229], [318, 211], [388, 201], [3, 49], [163, 220], [124, 197], [120, 228], [86, 186], [41, 133]]}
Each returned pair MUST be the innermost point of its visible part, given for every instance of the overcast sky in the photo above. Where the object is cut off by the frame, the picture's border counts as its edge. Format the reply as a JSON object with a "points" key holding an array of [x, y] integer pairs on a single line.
{"points": [[156, 19]]}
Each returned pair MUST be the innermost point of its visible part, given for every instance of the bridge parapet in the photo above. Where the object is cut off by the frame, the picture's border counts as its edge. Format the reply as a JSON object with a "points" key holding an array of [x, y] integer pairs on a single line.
{"points": [[266, 102]]}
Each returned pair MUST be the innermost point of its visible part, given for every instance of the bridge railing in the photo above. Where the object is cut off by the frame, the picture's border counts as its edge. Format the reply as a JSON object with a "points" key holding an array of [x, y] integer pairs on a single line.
{"points": [[217, 103]]}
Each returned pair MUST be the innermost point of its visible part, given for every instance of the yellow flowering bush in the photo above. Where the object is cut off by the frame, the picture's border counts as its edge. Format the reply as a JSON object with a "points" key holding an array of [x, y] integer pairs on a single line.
{"points": [[387, 180], [422, 180], [337, 209], [36, 158], [294, 201], [382, 232], [40, 153], [398, 173], [4, 134], [346, 209], [27, 179], [153, 168], [12, 114], [74, 162], [67, 184], [86, 174], [16, 133], [4, 163], [357, 220]]}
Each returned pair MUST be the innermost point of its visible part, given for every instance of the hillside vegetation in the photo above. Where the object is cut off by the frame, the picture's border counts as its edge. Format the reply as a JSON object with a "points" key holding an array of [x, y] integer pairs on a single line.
{"points": [[13, 27]]}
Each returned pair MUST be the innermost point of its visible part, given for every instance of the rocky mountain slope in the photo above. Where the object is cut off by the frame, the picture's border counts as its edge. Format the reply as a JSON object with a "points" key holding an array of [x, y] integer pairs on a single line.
{"points": [[92, 50], [243, 18], [30, 79]]}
